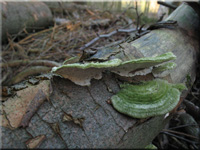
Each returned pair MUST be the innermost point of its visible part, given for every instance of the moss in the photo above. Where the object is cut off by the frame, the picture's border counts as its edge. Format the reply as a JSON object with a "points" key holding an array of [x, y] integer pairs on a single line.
{"points": [[151, 146], [152, 98]]}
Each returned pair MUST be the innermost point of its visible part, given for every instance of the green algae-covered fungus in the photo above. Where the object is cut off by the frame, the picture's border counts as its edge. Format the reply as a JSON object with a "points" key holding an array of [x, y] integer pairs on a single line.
{"points": [[151, 98], [163, 69], [81, 74], [127, 68]]}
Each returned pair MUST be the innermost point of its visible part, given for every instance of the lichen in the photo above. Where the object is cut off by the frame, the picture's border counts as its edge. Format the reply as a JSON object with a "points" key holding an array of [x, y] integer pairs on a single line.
{"points": [[151, 98]]}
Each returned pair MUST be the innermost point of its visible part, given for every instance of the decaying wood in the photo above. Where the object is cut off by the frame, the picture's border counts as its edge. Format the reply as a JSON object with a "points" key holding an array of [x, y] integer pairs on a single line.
{"points": [[90, 121]]}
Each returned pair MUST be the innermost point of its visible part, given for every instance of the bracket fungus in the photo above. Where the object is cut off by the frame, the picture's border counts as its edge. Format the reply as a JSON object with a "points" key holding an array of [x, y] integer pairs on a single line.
{"points": [[163, 69], [148, 99], [81, 74], [129, 68]]}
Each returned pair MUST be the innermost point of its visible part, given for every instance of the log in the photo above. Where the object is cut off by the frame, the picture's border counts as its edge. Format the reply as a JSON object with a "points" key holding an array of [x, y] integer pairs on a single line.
{"points": [[31, 16], [62, 7], [81, 116]]}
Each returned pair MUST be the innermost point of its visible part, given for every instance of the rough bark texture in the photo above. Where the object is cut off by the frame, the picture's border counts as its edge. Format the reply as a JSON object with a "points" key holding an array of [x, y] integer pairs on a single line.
{"points": [[90, 121], [102, 127], [28, 15]]}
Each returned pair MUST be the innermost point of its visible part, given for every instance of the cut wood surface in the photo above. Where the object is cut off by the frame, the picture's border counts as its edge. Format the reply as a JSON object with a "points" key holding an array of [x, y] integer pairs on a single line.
{"points": [[81, 116]]}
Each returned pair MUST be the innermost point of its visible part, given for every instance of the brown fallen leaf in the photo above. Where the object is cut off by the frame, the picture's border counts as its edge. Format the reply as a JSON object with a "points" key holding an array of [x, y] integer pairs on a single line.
{"points": [[78, 121], [16, 107], [4, 120], [35, 142]]}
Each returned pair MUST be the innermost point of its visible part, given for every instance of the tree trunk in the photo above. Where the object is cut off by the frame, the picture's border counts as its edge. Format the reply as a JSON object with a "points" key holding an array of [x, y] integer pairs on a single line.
{"points": [[80, 117]]}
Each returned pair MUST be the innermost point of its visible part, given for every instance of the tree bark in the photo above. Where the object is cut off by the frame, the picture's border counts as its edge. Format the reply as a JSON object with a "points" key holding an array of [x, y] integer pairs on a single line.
{"points": [[81, 117]]}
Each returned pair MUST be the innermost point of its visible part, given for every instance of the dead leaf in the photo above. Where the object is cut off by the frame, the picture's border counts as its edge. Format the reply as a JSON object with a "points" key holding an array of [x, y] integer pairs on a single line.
{"points": [[4, 120], [16, 107], [35, 142], [78, 121], [73, 27]]}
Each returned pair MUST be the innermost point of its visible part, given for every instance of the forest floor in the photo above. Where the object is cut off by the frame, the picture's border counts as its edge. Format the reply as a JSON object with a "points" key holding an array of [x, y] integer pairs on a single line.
{"points": [[69, 37]]}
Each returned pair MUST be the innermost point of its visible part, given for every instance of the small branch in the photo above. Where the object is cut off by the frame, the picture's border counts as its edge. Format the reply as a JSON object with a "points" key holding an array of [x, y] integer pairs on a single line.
{"points": [[179, 137], [138, 16], [27, 72], [167, 5], [37, 101], [182, 126], [180, 133], [106, 36], [192, 109], [15, 63], [179, 143]]}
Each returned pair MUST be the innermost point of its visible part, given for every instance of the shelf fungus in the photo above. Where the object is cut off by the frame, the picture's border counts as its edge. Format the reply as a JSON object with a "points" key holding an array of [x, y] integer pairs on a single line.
{"points": [[81, 74], [163, 69], [141, 66], [148, 99]]}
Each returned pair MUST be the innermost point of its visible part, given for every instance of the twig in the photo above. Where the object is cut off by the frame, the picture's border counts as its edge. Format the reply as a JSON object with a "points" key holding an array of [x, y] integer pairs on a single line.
{"points": [[138, 16], [15, 37], [29, 71], [180, 133], [6, 74], [192, 109], [32, 35], [179, 137], [15, 63], [167, 5], [179, 143], [182, 126], [35, 104], [24, 41], [106, 36]]}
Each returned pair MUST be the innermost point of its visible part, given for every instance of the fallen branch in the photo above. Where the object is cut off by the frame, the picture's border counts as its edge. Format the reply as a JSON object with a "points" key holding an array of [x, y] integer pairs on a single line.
{"points": [[29, 71], [106, 36], [35, 104], [15, 63], [180, 133], [179, 137], [167, 5], [192, 109]]}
